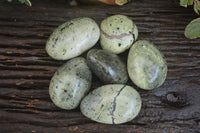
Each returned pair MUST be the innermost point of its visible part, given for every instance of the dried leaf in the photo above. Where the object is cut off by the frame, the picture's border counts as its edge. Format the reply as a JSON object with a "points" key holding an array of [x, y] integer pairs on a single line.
{"points": [[109, 2], [192, 30]]}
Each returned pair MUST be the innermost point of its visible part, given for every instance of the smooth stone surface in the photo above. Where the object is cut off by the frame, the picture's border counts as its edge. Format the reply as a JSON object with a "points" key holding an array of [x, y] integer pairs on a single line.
{"points": [[72, 38], [70, 83], [112, 104], [107, 66], [147, 67], [118, 33]]}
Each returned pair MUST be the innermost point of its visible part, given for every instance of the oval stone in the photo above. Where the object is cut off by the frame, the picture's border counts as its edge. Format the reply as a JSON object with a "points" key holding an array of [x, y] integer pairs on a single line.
{"points": [[112, 104], [118, 33], [146, 65], [72, 38], [70, 83], [107, 66]]}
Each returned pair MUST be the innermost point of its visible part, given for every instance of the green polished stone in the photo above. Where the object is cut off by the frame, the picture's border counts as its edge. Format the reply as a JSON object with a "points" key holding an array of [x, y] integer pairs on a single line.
{"points": [[72, 38], [147, 67], [70, 83], [107, 66], [112, 104], [118, 32]]}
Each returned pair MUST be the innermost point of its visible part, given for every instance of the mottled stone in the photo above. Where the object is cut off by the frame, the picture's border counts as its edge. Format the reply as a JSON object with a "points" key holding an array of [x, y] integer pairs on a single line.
{"points": [[107, 66], [70, 83], [112, 104], [147, 67], [72, 38], [118, 33]]}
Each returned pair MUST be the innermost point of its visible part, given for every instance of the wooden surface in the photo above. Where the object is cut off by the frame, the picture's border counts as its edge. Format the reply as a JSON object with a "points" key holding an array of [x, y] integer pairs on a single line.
{"points": [[26, 69]]}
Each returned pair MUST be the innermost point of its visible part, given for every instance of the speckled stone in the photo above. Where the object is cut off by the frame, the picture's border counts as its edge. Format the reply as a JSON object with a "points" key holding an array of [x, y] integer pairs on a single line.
{"points": [[107, 66], [70, 83], [146, 65], [112, 104], [118, 33], [72, 38]]}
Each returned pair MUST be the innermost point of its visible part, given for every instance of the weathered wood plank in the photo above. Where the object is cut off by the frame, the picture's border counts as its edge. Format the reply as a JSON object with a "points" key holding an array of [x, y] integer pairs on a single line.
{"points": [[26, 69]]}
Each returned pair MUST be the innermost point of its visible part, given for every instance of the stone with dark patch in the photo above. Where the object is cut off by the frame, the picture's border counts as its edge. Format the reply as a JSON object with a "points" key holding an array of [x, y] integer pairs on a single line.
{"points": [[107, 66], [147, 67], [115, 30], [66, 87], [74, 36], [116, 104]]}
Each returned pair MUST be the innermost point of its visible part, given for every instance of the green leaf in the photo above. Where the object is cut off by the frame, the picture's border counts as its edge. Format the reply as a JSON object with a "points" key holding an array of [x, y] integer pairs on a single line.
{"points": [[197, 6], [22, 1], [192, 30], [27, 2], [184, 3], [190, 2]]}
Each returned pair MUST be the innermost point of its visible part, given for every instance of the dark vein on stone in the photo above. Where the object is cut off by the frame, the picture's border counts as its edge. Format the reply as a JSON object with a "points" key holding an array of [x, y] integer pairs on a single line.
{"points": [[117, 36], [114, 103], [134, 37], [66, 27]]}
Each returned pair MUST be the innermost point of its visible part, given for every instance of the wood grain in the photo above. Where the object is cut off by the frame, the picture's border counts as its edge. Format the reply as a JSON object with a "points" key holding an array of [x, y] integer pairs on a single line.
{"points": [[26, 69]]}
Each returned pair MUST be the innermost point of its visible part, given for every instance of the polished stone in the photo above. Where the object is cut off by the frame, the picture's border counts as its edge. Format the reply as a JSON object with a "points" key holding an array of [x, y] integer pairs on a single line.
{"points": [[147, 67], [72, 38], [107, 66], [118, 32], [112, 104], [70, 83]]}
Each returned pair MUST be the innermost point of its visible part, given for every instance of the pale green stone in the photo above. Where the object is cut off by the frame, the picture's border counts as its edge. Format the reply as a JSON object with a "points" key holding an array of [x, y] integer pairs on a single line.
{"points": [[72, 38], [112, 104], [70, 83], [147, 67], [118, 33]]}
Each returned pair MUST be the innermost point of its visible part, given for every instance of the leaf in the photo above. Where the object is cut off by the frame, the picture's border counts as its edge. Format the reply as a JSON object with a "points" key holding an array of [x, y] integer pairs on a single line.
{"points": [[192, 30], [190, 2], [22, 1], [121, 2], [27, 2], [197, 6], [109, 2], [184, 3]]}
